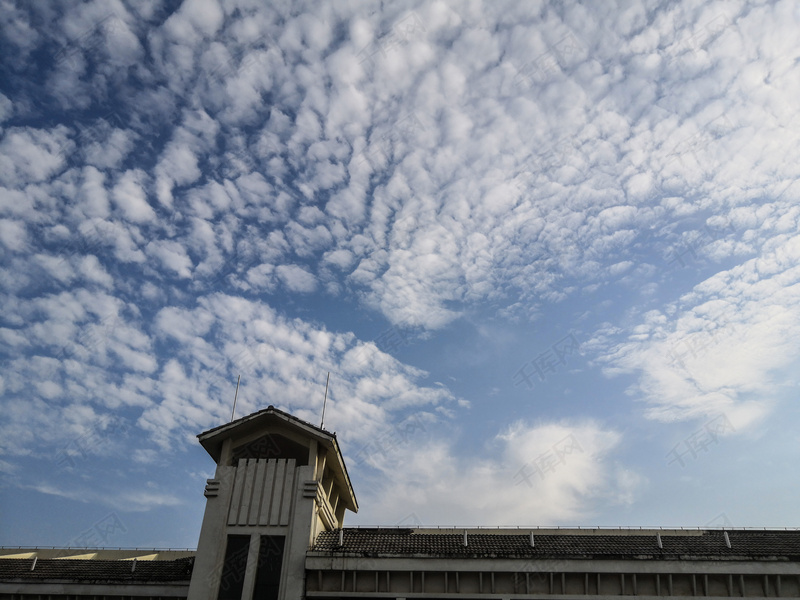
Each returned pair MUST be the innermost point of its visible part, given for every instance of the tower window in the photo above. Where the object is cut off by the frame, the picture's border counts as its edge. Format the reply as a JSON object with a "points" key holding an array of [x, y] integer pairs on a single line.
{"points": [[234, 567], [268, 573]]}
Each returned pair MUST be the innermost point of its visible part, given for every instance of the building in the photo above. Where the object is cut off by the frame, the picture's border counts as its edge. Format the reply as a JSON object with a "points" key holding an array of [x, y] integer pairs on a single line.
{"points": [[273, 530]]}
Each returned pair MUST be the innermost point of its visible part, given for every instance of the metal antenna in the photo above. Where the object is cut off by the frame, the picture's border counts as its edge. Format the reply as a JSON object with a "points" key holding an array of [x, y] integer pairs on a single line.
{"points": [[325, 401], [236, 395]]}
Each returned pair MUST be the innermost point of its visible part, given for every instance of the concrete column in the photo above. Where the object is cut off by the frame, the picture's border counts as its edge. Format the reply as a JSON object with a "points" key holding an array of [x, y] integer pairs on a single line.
{"points": [[210, 556], [252, 565], [297, 539]]}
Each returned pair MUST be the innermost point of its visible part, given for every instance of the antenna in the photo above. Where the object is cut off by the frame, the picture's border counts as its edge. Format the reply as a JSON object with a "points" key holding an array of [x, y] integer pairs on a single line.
{"points": [[236, 395], [325, 401]]}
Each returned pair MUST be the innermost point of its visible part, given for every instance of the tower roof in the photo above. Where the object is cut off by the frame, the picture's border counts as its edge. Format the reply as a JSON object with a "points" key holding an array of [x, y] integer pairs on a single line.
{"points": [[272, 419]]}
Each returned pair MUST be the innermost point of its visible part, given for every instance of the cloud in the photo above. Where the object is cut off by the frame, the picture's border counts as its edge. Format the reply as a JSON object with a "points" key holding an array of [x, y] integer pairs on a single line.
{"points": [[6, 108], [548, 473], [296, 278], [205, 16], [13, 234], [90, 353], [178, 166], [172, 255], [130, 198], [416, 154], [280, 362], [719, 349], [126, 500], [29, 155], [172, 175]]}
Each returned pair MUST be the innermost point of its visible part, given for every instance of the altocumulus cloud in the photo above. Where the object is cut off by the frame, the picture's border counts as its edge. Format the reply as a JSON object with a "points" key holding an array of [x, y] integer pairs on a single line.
{"points": [[190, 191]]}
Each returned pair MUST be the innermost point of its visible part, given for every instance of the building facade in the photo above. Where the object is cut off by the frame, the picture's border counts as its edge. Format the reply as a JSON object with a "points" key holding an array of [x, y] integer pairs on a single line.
{"points": [[273, 529]]}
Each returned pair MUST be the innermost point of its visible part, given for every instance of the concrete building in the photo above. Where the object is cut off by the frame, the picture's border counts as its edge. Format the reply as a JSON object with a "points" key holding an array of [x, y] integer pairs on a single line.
{"points": [[273, 530]]}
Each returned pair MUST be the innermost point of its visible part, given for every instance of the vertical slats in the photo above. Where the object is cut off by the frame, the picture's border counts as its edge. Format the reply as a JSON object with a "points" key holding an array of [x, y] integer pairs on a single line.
{"points": [[258, 492], [280, 473], [247, 491], [288, 491], [269, 493], [236, 497]]}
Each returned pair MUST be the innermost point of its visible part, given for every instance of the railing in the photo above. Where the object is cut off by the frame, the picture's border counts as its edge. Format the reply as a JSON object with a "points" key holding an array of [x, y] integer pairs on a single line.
{"points": [[576, 527], [98, 548]]}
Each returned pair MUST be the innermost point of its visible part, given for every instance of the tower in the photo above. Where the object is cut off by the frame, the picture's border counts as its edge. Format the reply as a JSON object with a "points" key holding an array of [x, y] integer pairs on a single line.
{"points": [[279, 482]]}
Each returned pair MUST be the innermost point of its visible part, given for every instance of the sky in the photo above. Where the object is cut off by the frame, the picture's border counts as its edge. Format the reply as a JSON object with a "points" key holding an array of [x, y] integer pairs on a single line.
{"points": [[547, 251]]}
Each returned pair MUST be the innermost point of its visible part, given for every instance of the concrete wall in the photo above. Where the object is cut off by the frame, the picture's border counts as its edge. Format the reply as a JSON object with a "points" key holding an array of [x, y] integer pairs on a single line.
{"points": [[257, 497], [40, 589], [408, 577]]}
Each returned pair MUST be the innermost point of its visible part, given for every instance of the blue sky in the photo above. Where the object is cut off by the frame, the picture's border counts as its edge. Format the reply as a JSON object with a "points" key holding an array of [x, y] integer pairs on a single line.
{"points": [[548, 253]]}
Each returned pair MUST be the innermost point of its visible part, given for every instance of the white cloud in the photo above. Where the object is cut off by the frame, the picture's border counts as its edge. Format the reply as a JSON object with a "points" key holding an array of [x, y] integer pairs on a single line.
{"points": [[131, 199], [280, 362], [6, 108], [13, 234], [717, 349], [93, 271], [203, 15], [296, 278], [178, 165], [111, 153], [438, 165], [172, 255], [28, 155], [93, 195], [552, 473], [125, 500]]}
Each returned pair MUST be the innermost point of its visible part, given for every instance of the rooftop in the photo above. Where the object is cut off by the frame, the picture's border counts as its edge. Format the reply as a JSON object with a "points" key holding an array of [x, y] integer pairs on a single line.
{"points": [[574, 543], [97, 570]]}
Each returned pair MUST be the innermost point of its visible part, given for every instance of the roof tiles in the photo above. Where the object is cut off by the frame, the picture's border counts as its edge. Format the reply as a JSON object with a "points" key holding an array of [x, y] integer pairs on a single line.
{"points": [[675, 544], [117, 571]]}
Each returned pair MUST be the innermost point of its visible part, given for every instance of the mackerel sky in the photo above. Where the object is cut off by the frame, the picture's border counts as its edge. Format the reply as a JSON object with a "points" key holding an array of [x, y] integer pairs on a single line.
{"points": [[547, 251]]}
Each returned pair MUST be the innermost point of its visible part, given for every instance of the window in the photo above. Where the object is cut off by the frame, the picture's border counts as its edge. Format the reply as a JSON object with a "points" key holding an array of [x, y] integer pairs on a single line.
{"points": [[268, 571], [234, 567]]}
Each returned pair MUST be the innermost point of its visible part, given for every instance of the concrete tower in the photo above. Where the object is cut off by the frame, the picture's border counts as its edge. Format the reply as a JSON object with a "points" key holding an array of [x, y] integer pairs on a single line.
{"points": [[279, 482]]}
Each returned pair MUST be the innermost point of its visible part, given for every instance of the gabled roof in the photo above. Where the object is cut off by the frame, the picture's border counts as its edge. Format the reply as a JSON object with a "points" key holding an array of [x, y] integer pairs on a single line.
{"points": [[744, 544], [254, 420], [213, 439]]}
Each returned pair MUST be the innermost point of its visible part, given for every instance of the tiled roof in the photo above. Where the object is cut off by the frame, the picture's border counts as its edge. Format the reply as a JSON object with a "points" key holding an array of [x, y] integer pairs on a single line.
{"points": [[117, 571], [674, 544]]}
